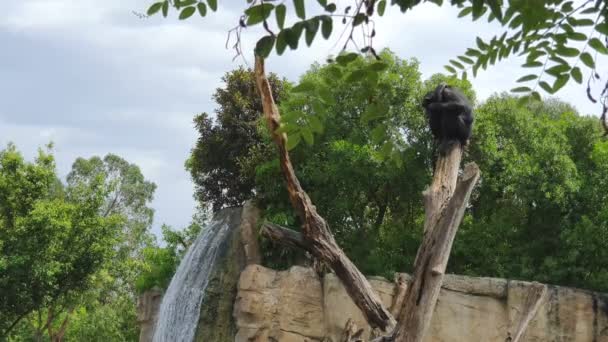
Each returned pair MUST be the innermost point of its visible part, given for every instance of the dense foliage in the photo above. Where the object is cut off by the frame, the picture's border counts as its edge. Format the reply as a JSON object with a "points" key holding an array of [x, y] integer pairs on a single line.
{"points": [[72, 250], [538, 214], [40, 221], [217, 160]]}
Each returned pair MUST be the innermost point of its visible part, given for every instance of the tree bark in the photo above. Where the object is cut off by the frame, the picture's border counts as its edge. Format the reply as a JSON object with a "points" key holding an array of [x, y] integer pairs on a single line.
{"points": [[445, 206], [315, 230]]}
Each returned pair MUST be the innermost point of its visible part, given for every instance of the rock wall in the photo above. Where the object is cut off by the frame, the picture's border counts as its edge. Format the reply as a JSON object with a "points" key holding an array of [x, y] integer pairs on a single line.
{"points": [[296, 306], [148, 305]]}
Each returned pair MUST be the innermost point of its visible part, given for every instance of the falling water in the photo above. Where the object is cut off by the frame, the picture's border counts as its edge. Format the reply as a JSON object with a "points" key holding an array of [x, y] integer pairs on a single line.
{"points": [[181, 305]]}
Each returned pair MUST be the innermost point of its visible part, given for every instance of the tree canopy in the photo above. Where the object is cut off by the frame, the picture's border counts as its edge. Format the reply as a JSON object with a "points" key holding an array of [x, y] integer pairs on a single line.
{"points": [[537, 201]]}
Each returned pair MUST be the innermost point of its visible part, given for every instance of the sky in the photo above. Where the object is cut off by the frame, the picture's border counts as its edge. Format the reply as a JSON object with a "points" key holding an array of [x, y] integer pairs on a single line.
{"points": [[94, 78]]}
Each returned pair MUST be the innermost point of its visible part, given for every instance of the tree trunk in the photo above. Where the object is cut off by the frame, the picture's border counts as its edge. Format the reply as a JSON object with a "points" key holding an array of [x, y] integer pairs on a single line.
{"points": [[445, 207], [316, 233]]}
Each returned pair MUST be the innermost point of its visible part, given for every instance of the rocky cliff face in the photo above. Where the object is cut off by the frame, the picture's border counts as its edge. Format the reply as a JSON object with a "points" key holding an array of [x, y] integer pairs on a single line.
{"points": [[296, 306]]}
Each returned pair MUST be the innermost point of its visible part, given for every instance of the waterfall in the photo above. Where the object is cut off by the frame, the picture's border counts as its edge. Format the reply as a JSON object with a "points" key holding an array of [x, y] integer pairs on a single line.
{"points": [[181, 304]]}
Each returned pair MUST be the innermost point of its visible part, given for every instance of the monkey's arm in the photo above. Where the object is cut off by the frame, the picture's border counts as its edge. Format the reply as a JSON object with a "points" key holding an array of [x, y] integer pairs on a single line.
{"points": [[451, 107]]}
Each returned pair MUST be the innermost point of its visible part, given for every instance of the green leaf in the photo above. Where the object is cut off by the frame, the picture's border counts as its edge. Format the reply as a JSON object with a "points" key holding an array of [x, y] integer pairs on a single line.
{"points": [[577, 75], [577, 36], [588, 60], [155, 8], [323, 3], [590, 10], [187, 13], [359, 18], [558, 69], [527, 78], [326, 26], [481, 44], [378, 133], [293, 35], [286, 128], [381, 7], [185, 3], [477, 8], [378, 66], [293, 141], [584, 22], [373, 112], [598, 46], [346, 58], [535, 95], [560, 82], [465, 11], [523, 100], [326, 96], [312, 26], [521, 90], [308, 136], [165, 8], [534, 64], [331, 8], [450, 69], [473, 53], [264, 46], [335, 72], [466, 59], [315, 124], [257, 14], [304, 87], [212, 4], [567, 51], [457, 64], [546, 87], [300, 10], [281, 42], [280, 11], [602, 28], [495, 8], [202, 8], [356, 76]]}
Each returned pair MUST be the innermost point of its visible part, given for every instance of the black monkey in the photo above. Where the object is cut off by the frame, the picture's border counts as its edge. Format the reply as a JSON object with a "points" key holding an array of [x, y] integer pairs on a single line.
{"points": [[450, 116]]}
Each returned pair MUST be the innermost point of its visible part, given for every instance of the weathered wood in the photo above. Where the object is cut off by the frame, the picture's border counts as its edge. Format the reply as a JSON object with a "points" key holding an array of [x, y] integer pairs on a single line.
{"points": [[433, 254], [536, 296], [442, 186], [351, 333], [401, 282], [285, 236], [315, 230]]}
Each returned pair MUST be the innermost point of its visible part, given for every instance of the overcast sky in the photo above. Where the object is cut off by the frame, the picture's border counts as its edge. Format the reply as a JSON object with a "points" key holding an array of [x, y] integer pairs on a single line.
{"points": [[94, 78]]}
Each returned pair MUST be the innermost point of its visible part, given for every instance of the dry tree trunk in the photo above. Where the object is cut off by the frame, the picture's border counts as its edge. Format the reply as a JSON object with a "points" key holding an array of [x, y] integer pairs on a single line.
{"points": [[317, 237], [445, 202]]}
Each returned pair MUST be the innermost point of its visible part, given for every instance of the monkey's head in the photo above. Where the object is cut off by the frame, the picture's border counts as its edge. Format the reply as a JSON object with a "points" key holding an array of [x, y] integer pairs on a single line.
{"points": [[435, 95], [444, 93]]}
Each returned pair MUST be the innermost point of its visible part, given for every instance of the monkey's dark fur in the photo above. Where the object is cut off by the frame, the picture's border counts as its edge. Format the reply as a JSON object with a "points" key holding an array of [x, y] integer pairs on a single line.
{"points": [[450, 116]]}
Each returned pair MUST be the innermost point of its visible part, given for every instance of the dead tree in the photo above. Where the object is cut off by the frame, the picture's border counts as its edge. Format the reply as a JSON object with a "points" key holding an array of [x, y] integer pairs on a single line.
{"points": [[445, 202]]}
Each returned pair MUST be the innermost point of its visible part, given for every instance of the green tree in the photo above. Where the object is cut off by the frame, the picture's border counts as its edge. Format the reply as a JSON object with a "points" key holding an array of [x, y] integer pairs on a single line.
{"points": [[216, 161], [537, 213], [52, 240]]}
